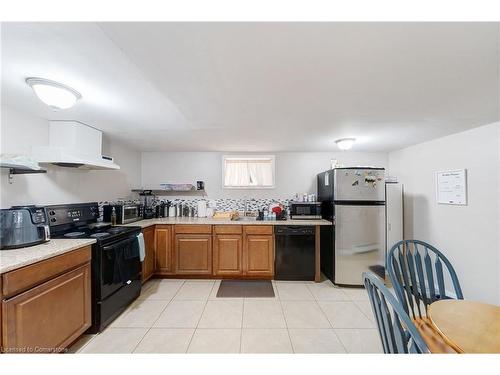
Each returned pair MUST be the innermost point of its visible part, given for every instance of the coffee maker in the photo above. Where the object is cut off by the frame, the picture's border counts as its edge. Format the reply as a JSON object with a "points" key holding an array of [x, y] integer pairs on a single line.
{"points": [[147, 198]]}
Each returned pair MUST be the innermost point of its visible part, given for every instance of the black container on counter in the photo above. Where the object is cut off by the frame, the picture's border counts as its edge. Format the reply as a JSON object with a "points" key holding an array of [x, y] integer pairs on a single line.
{"points": [[160, 210]]}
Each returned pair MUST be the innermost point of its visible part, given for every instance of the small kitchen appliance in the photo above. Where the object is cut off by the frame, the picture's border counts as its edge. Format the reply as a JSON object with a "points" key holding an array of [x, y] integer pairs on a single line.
{"points": [[305, 210], [125, 213], [147, 204], [22, 226]]}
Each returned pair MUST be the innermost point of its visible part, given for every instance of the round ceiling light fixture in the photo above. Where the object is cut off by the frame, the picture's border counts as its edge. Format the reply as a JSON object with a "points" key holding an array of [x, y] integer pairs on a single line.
{"points": [[345, 143], [56, 95]]}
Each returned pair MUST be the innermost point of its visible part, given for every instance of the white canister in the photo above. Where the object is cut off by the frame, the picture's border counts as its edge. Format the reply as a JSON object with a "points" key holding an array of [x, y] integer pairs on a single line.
{"points": [[210, 212], [202, 208]]}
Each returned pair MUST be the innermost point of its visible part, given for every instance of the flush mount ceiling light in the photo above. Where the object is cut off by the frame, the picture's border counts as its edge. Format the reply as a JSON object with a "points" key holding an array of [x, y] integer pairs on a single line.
{"points": [[345, 143], [56, 95]]}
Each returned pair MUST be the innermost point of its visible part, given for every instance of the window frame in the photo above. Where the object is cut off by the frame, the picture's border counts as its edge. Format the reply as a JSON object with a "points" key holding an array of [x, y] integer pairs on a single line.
{"points": [[250, 157]]}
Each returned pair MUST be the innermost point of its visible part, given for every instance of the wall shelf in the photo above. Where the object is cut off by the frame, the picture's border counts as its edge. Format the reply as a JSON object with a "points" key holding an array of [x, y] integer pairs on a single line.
{"points": [[19, 164], [25, 171], [17, 170]]}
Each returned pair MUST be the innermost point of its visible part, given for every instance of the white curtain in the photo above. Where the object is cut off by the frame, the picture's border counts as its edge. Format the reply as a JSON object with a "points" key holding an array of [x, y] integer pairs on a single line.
{"points": [[236, 173], [248, 172], [261, 173]]}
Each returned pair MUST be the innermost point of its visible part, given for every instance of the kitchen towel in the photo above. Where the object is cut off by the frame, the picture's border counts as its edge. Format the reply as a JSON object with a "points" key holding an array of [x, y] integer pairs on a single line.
{"points": [[142, 247]]}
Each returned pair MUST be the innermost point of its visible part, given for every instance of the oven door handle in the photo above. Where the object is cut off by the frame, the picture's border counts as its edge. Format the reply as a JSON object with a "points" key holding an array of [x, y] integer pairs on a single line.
{"points": [[118, 244]]}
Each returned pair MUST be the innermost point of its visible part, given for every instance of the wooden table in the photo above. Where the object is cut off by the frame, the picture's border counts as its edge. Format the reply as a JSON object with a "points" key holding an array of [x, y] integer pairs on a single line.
{"points": [[468, 326]]}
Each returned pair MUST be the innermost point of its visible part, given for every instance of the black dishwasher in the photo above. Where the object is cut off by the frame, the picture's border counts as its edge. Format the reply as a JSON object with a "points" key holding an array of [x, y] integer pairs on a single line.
{"points": [[295, 249]]}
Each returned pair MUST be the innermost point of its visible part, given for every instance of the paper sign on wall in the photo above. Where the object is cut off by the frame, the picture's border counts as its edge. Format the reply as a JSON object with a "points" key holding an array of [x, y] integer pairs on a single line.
{"points": [[451, 187]]}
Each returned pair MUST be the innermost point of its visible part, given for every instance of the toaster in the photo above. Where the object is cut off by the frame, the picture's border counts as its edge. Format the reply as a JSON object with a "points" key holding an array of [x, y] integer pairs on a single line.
{"points": [[22, 226]]}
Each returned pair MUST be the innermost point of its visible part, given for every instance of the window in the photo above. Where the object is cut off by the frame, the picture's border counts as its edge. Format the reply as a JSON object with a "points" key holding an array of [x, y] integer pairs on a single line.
{"points": [[250, 172]]}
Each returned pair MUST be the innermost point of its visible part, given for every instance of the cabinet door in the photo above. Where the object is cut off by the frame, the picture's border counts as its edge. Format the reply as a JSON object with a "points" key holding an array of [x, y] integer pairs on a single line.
{"points": [[258, 255], [50, 316], [227, 254], [149, 263], [163, 239], [193, 254]]}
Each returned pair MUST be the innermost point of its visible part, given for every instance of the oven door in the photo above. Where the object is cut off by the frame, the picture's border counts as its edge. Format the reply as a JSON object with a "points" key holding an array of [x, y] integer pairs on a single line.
{"points": [[113, 267], [130, 214]]}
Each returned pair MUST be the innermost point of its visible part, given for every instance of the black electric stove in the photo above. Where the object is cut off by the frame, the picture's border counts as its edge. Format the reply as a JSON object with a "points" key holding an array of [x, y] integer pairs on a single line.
{"points": [[102, 233], [116, 266]]}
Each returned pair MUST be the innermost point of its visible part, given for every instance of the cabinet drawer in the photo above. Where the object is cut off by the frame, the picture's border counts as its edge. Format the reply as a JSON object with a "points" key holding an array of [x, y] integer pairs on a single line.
{"points": [[258, 229], [228, 229], [49, 317], [193, 229], [17, 281]]}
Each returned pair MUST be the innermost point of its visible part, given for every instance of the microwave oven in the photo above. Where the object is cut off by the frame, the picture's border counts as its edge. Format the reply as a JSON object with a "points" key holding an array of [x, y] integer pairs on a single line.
{"points": [[125, 213], [305, 210]]}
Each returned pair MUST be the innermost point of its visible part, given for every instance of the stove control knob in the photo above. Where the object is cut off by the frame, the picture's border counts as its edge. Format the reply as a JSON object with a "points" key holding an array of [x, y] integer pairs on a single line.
{"points": [[52, 213], [53, 220]]}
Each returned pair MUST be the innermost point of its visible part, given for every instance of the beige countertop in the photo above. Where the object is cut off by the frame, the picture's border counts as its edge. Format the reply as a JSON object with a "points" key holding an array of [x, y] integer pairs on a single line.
{"points": [[24, 256], [210, 221], [17, 258]]}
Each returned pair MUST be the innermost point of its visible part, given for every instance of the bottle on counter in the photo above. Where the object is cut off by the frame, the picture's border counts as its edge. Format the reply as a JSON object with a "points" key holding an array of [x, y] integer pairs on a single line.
{"points": [[113, 217], [266, 214]]}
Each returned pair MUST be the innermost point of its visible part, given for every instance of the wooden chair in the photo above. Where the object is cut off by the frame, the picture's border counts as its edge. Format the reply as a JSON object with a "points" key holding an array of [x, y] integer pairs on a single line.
{"points": [[397, 332], [416, 271]]}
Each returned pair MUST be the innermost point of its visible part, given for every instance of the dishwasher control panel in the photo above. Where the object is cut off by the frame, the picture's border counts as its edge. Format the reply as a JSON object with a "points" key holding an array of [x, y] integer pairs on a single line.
{"points": [[295, 230]]}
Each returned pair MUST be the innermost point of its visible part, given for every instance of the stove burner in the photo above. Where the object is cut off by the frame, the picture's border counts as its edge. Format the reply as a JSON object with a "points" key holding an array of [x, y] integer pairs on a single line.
{"points": [[99, 235], [74, 234]]}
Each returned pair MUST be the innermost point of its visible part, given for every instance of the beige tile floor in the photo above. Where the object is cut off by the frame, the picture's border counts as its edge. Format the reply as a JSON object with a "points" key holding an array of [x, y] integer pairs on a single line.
{"points": [[185, 316]]}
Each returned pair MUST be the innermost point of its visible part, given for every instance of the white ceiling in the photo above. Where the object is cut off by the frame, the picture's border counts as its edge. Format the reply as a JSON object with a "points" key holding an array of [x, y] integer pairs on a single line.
{"points": [[261, 86]]}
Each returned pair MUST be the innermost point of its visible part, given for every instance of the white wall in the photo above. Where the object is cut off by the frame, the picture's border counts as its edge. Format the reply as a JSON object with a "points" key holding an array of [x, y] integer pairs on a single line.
{"points": [[20, 131], [468, 235], [295, 171]]}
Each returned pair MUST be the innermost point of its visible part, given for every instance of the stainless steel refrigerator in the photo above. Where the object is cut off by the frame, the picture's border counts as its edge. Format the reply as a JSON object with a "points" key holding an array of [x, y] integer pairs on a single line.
{"points": [[353, 199]]}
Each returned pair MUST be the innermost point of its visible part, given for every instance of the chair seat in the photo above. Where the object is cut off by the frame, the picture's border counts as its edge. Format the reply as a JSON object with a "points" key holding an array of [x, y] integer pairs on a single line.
{"points": [[433, 339]]}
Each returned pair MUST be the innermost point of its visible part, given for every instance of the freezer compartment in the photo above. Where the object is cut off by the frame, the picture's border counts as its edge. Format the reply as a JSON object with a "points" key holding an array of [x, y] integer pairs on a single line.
{"points": [[359, 184], [359, 242]]}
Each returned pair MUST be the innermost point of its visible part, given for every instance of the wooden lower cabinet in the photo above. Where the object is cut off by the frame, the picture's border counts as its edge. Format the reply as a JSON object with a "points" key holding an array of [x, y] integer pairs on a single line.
{"points": [[193, 254], [163, 244], [227, 255], [50, 316], [231, 251], [149, 263], [258, 255]]}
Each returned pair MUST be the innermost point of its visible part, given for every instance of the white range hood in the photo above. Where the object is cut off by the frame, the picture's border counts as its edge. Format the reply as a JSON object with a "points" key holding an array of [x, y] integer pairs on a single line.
{"points": [[73, 144]]}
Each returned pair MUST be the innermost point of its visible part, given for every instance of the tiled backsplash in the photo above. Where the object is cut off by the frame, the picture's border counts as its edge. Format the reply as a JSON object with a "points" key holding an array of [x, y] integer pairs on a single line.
{"points": [[223, 204], [227, 204]]}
